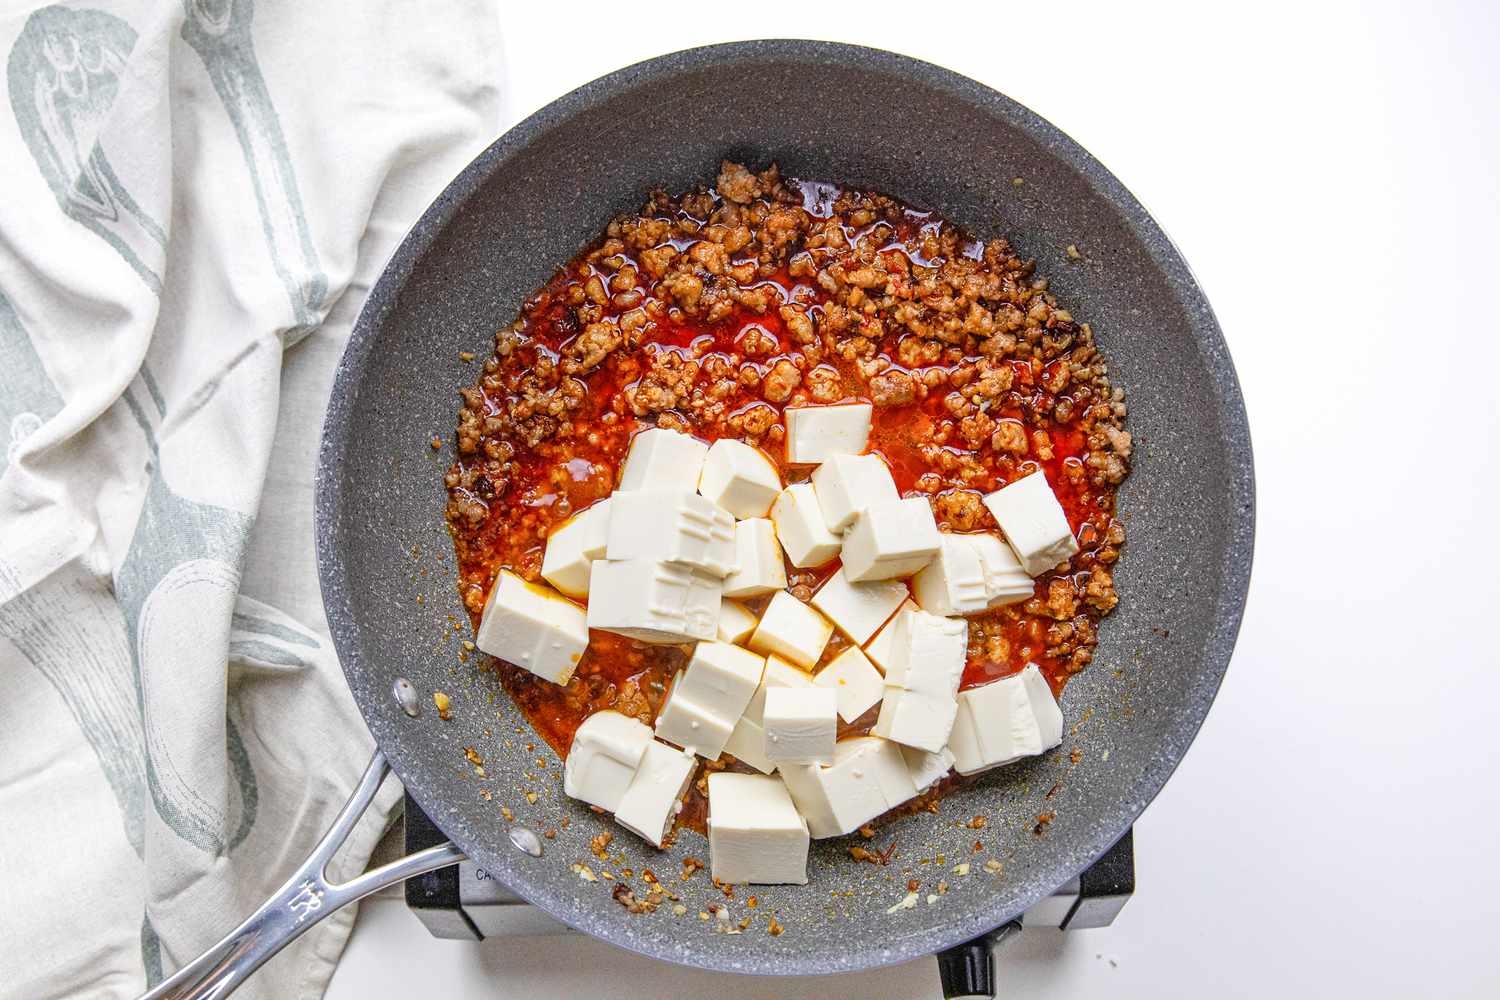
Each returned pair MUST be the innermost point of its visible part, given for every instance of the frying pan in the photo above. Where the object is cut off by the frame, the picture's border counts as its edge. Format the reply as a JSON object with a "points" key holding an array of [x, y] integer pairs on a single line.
{"points": [[527, 205]]}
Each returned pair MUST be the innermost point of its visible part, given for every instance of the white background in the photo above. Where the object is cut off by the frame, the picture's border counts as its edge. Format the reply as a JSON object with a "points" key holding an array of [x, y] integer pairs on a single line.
{"points": [[1330, 172]]}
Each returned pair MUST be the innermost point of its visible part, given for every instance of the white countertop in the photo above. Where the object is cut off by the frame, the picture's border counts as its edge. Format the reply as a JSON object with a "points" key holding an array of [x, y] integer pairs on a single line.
{"points": [[1333, 830]]}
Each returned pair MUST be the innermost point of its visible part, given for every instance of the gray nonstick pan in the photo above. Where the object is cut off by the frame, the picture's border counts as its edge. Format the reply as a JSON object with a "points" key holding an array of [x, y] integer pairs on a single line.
{"points": [[525, 206]]}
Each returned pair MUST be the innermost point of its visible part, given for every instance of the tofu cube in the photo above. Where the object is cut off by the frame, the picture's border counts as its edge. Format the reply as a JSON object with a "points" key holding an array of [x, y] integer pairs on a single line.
{"points": [[736, 621], [922, 677], [971, 574], [755, 834], [739, 478], [721, 679], [858, 609], [928, 654], [1005, 579], [854, 681], [792, 630], [654, 798], [847, 484], [779, 674], [672, 526], [694, 727], [800, 527], [891, 539], [533, 627], [1033, 522], [801, 725], [927, 769], [881, 648], [606, 749], [748, 741], [661, 459], [915, 719], [747, 744], [759, 568], [868, 777], [1004, 721], [573, 547], [815, 433], [654, 601]]}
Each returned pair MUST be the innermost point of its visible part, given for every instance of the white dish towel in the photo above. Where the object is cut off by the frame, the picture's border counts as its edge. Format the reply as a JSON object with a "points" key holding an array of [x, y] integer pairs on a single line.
{"points": [[196, 198]]}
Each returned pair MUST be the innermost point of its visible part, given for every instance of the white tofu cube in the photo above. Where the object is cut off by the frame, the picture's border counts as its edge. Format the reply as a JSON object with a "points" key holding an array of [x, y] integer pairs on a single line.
{"points": [[759, 568], [922, 677], [654, 601], [858, 609], [868, 777], [927, 769], [534, 627], [736, 621], [800, 527], [929, 654], [721, 678], [1005, 579], [792, 630], [1004, 721], [847, 484], [739, 478], [1033, 522], [915, 719], [672, 526], [814, 433], [754, 832], [891, 539], [854, 681], [801, 725], [747, 744], [573, 547], [881, 648], [661, 459], [654, 798], [960, 580], [748, 741], [691, 726], [606, 749]]}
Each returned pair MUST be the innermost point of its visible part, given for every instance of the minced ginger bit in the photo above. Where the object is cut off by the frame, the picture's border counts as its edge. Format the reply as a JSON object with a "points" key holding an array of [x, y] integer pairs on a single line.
{"points": [[774, 928], [689, 866], [437, 443], [510, 817], [584, 872], [907, 903], [962, 869], [531, 797], [994, 867], [443, 703]]}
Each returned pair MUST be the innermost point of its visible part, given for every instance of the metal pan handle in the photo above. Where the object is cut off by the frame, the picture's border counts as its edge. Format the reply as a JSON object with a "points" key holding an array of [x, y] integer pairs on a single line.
{"points": [[302, 901]]}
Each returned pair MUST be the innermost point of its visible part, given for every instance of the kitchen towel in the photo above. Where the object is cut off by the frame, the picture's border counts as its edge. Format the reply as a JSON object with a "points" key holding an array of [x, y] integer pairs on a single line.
{"points": [[196, 197]]}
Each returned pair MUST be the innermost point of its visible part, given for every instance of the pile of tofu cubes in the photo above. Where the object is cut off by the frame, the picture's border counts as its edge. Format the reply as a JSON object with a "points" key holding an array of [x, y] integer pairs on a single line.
{"points": [[692, 531]]}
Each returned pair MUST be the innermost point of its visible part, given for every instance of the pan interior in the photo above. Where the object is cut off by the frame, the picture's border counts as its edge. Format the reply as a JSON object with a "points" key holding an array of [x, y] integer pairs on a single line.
{"points": [[862, 118]]}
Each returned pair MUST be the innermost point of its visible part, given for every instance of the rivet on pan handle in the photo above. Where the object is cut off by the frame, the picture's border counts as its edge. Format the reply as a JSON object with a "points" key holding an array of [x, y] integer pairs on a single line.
{"points": [[302, 901]]}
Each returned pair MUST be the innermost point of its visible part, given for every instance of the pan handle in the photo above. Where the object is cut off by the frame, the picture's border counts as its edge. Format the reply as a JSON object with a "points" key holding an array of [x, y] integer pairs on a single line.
{"points": [[302, 901], [968, 969]]}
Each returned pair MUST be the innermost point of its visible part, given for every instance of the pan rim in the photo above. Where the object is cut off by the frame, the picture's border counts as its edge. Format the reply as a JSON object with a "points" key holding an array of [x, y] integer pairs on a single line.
{"points": [[1233, 429]]}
